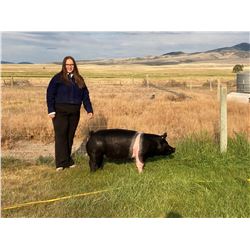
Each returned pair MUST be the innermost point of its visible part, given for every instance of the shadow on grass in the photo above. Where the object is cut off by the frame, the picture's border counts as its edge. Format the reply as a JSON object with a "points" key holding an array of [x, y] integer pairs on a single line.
{"points": [[173, 214], [13, 162], [124, 161], [45, 160]]}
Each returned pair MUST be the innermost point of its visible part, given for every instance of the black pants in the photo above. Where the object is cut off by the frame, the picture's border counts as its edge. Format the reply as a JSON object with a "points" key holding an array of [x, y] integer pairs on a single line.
{"points": [[65, 124]]}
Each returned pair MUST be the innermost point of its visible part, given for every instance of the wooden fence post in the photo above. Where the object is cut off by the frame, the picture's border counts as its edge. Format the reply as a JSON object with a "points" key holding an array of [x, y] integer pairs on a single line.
{"points": [[210, 85], [218, 89], [190, 86], [223, 119], [11, 81]]}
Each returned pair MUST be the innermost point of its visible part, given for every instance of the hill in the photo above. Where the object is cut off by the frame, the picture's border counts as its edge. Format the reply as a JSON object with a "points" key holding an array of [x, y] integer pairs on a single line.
{"points": [[239, 53], [6, 62], [239, 47]]}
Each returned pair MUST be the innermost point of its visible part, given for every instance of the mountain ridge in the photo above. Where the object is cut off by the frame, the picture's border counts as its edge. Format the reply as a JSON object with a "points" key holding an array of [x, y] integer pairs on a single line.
{"points": [[239, 53], [7, 62], [240, 46]]}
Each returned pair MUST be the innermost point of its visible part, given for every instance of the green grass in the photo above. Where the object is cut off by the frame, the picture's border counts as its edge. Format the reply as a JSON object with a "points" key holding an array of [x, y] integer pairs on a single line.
{"points": [[197, 181]]}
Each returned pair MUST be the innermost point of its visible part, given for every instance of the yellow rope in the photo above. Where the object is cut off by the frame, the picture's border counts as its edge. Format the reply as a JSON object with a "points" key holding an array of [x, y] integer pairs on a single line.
{"points": [[63, 198], [55, 199]]}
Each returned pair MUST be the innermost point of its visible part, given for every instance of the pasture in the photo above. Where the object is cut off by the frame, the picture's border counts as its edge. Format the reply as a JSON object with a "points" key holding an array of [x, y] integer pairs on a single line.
{"points": [[182, 100], [197, 182]]}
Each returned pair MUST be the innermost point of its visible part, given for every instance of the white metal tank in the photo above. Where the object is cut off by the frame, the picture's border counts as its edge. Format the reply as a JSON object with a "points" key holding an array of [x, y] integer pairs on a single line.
{"points": [[243, 82]]}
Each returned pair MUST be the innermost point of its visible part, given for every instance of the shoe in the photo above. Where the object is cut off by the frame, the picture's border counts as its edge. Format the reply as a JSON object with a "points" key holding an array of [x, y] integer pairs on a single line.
{"points": [[72, 166], [59, 169]]}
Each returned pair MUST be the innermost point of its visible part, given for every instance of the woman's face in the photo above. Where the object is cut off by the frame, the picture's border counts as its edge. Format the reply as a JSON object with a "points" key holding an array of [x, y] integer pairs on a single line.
{"points": [[69, 66]]}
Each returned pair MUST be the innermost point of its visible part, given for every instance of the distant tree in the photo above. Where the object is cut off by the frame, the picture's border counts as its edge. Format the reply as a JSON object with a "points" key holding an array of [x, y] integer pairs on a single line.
{"points": [[237, 68]]}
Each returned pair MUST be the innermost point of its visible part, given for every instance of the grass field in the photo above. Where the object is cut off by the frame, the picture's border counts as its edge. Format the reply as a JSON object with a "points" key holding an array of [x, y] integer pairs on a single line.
{"points": [[196, 182], [121, 99]]}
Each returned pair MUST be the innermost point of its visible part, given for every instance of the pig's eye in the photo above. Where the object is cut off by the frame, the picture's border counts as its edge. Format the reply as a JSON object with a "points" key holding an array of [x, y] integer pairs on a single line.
{"points": [[162, 142]]}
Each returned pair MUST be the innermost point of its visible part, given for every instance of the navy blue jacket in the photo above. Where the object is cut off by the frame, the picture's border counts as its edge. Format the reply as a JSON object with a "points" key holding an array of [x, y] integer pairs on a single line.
{"points": [[59, 92]]}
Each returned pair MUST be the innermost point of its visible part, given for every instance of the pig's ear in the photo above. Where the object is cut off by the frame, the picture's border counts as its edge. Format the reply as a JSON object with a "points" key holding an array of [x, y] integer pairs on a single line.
{"points": [[164, 135]]}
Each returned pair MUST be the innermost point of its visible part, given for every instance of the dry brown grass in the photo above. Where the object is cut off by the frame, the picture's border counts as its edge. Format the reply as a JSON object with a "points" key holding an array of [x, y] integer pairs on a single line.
{"points": [[126, 103], [24, 113]]}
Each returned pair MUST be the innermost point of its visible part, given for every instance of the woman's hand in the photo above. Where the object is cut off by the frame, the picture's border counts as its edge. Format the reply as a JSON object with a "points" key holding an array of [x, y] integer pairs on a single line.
{"points": [[90, 115], [52, 115]]}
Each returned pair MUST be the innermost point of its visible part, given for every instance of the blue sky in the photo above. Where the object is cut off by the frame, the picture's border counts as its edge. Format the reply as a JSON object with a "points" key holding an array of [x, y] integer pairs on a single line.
{"points": [[44, 47]]}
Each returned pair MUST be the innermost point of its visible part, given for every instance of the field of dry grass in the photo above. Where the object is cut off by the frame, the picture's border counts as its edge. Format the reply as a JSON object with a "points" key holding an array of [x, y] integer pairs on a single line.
{"points": [[121, 99]]}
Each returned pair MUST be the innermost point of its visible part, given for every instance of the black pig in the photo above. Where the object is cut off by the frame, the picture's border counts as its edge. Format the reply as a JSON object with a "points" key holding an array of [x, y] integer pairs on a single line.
{"points": [[124, 144]]}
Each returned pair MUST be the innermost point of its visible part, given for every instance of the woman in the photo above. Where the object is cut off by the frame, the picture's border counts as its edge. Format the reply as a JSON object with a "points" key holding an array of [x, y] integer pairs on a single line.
{"points": [[65, 94]]}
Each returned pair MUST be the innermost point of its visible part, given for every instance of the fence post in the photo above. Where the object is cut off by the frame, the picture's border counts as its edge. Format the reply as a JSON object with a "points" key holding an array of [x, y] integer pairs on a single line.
{"points": [[218, 89], [147, 80], [190, 86], [11, 81], [210, 85], [223, 119]]}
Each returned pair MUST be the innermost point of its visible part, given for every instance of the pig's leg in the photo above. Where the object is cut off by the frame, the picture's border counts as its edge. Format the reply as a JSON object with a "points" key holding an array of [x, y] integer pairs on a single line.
{"points": [[93, 163], [139, 163], [136, 149], [99, 161]]}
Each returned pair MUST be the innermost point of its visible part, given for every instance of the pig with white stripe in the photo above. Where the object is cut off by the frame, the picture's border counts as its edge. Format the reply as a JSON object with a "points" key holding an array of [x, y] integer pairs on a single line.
{"points": [[125, 144]]}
